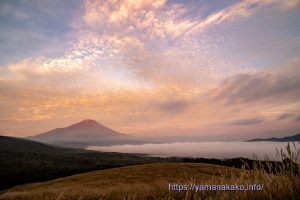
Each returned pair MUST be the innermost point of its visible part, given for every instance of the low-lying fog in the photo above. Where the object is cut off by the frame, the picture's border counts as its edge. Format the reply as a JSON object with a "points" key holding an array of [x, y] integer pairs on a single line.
{"points": [[218, 150]]}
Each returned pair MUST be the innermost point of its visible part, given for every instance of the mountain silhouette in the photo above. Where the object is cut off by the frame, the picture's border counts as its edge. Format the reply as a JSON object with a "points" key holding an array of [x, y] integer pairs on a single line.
{"points": [[275, 139], [86, 132]]}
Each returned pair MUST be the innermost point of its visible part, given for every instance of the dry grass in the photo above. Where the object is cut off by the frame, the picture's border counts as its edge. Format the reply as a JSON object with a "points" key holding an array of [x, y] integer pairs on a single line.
{"points": [[151, 182]]}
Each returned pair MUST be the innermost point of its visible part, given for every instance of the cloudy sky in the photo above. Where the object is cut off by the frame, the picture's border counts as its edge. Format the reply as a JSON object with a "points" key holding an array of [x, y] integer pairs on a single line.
{"points": [[163, 67]]}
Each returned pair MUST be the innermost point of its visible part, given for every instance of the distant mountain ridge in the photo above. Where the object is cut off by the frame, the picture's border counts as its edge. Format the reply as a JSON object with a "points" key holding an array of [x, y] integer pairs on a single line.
{"points": [[275, 139], [83, 133]]}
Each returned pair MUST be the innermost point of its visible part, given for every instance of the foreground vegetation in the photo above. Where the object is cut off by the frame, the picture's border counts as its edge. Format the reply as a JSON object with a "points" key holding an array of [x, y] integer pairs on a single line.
{"points": [[151, 181], [25, 159], [141, 181]]}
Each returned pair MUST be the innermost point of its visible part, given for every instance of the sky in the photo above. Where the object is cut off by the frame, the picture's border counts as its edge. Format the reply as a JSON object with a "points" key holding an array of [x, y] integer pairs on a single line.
{"points": [[154, 67]]}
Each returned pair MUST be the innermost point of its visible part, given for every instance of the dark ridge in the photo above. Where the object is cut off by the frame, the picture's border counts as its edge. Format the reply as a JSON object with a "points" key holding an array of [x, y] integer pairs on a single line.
{"points": [[275, 139], [26, 161]]}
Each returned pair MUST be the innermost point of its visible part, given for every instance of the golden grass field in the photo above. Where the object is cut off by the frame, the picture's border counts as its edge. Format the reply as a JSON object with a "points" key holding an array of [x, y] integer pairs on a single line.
{"points": [[150, 181], [134, 179]]}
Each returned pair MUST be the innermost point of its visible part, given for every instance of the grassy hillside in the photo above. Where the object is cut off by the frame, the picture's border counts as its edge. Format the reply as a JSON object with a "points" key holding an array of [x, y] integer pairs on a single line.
{"points": [[151, 181], [118, 181], [25, 161]]}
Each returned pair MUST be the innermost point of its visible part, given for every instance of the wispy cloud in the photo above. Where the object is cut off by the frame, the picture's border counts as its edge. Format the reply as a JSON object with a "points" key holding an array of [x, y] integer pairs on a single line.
{"points": [[239, 10], [246, 122], [174, 106], [285, 116]]}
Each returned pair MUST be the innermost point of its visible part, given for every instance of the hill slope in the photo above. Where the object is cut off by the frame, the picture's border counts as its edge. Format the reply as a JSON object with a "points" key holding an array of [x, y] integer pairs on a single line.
{"points": [[275, 139], [13, 144], [25, 161], [133, 179]]}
